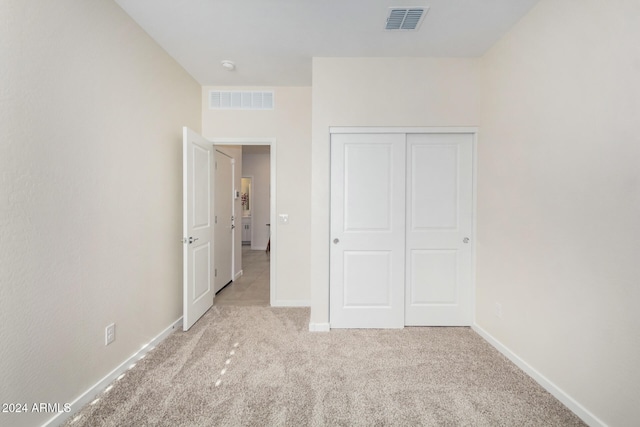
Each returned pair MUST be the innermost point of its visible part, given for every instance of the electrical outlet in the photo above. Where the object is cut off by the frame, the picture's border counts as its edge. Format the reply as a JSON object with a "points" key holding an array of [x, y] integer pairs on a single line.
{"points": [[109, 334], [499, 310]]}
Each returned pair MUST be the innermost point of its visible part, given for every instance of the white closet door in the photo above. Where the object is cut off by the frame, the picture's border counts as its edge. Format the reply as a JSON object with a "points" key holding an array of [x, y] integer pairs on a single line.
{"points": [[367, 230], [439, 226]]}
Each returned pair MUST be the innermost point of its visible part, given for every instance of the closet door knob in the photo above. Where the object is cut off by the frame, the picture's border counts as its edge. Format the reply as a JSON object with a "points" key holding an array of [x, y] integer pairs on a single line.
{"points": [[336, 241]]}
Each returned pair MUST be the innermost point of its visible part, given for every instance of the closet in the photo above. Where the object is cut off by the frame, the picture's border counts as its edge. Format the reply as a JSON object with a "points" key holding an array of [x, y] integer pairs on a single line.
{"points": [[401, 245]]}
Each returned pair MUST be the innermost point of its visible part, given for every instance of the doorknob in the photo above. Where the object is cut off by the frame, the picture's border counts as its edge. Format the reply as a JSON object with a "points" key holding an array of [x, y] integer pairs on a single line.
{"points": [[193, 239], [336, 241], [465, 240]]}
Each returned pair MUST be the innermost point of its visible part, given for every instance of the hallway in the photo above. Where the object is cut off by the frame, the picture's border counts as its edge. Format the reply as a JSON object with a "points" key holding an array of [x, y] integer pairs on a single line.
{"points": [[252, 288]]}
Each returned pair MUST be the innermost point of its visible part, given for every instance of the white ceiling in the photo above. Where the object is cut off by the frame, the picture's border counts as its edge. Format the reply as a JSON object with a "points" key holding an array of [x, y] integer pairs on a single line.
{"points": [[272, 41]]}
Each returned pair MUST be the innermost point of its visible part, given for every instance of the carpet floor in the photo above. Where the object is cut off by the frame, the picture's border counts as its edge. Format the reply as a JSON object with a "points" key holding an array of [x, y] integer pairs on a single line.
{"points": [[260, 366]]}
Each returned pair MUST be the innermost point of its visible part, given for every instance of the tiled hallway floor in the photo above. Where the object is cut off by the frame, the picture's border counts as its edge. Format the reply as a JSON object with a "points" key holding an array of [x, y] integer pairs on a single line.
{"points": [[252, 288]]}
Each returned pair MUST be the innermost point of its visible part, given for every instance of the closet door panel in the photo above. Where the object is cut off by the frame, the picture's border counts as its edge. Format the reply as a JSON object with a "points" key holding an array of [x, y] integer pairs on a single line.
{"points": [[367, 231], [439, 225]]}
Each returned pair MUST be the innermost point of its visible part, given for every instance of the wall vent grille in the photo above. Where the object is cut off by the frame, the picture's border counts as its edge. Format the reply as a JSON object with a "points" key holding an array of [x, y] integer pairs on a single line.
{"points": [[405, 18], [241, 100]]}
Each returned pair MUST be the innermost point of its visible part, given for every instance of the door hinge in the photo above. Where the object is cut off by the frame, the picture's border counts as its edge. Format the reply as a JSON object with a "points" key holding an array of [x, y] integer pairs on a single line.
{"points": [[215, 272], [216, 219]]}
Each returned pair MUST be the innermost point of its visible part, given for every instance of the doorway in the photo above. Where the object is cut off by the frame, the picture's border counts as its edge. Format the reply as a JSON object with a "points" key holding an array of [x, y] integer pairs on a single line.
{"points": [[261, 217]]}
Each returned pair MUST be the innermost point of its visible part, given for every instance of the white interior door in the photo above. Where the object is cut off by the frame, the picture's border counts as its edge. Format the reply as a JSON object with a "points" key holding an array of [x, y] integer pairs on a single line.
{"points": [[223, 220], [198, 176], [367, 230], [439, 226]]}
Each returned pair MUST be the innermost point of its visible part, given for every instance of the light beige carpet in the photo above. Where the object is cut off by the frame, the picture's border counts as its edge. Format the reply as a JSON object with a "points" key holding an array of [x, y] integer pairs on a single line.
{"points": [[259, 366]]}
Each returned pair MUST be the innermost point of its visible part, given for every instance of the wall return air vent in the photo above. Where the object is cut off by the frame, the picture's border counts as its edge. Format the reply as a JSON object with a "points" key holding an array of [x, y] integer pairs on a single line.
{"points": [[405, 18], [241, 100]]}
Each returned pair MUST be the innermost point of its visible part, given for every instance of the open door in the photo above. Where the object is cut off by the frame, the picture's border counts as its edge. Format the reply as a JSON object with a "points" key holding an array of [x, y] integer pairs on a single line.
{"points": [[198, 176], [223, 220]]}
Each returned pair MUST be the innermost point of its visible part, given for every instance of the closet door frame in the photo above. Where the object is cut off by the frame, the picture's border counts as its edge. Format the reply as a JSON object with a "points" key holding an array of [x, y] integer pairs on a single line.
{"points": [[473, 131]]}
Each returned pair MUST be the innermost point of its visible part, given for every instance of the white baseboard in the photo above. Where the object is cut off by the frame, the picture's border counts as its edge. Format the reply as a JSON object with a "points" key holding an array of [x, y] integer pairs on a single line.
{"points": [[100, 386], [238, 274], [319, 327], [291, 303], [547, 384]]}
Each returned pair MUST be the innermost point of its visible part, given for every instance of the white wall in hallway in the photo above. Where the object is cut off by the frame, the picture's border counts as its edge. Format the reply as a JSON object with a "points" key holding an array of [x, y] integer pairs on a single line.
{"points": [[257, 166]]}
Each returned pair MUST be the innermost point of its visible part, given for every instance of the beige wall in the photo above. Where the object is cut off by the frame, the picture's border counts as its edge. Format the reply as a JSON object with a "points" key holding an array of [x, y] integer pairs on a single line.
{"points": [[290, 124], [91, 194], [559, 200], [377, 92]]}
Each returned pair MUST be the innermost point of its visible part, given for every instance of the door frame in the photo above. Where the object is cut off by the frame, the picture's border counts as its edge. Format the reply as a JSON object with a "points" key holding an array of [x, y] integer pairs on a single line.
{"points": [[473, 130], [271, 142]]}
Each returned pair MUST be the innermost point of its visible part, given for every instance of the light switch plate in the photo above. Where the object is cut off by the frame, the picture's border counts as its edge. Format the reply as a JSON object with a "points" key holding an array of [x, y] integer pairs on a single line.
{"points": [[283, 218]]}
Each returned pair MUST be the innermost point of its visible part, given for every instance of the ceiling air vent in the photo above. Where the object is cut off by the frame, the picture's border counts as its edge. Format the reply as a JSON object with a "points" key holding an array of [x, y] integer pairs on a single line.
{"points": [[240, 100], [405, 18]]}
